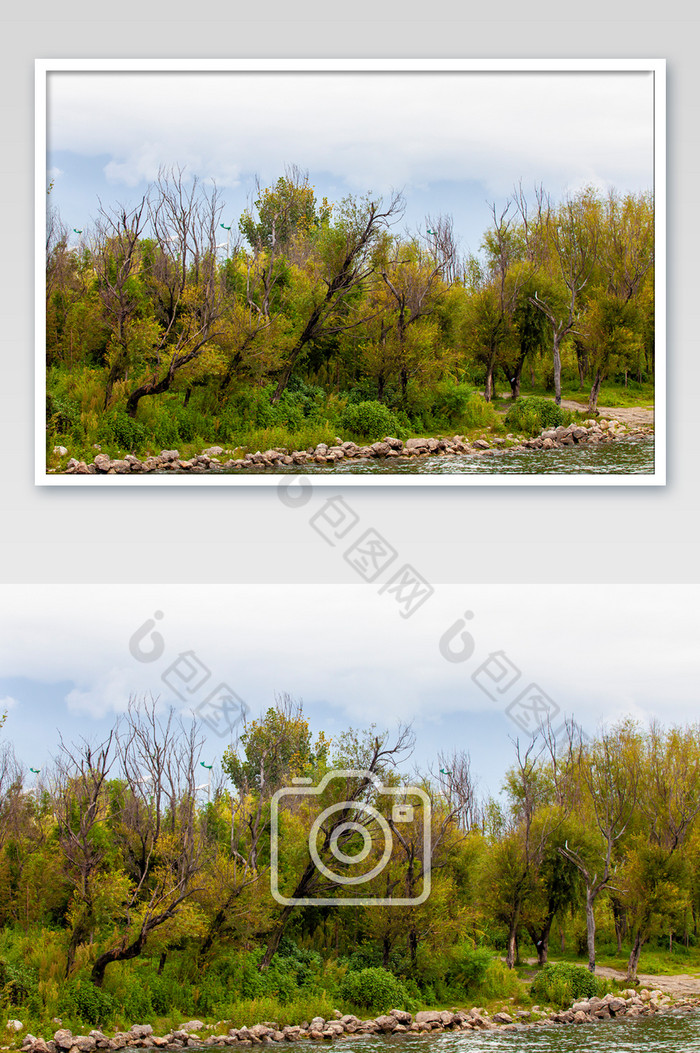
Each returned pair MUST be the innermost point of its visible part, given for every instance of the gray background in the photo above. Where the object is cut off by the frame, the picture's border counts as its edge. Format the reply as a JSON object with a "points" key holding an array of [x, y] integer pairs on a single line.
{"points": [[478, 534]]}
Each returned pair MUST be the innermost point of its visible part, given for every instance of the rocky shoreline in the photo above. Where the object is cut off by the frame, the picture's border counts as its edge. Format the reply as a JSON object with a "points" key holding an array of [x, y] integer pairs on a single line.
{"points": [[587, 1010], [589, 432]]}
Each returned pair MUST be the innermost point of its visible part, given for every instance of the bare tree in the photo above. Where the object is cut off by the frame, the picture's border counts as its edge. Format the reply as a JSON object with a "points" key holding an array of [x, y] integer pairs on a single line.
{"points": [[412, 284], [185, 223], [116, 258], [159, 759], [81, 771]]}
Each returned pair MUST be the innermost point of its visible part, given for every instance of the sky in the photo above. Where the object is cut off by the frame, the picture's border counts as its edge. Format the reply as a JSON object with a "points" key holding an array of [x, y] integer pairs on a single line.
{"points": [[71, 656], [451, 141]]}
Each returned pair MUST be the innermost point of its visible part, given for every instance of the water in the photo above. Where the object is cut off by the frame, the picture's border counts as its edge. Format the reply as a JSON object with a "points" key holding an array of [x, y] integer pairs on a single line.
{"points": [[670, 1033], [624, 457]]}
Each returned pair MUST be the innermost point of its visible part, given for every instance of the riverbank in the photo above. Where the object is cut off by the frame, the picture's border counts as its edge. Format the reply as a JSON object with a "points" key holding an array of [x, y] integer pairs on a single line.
{"points": [[196, 1034], [588, 432]]}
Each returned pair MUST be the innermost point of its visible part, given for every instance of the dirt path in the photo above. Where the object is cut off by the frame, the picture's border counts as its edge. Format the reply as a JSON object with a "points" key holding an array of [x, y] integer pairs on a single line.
{"points": [[625, 414], [682, 984], [675, 985]]}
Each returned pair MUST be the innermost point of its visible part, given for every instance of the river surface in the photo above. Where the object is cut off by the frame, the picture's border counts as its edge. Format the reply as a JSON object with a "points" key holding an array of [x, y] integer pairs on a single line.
{"points": [[668, 1033], [624, 457]]}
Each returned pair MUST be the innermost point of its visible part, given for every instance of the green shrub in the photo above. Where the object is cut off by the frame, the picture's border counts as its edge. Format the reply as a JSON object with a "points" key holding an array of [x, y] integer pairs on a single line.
{"points": [[533, 415], [563, 983], [466, 966], [17, 982], [499, 981], [81, 999], [118, 429], [369, 420], [375, 989]]}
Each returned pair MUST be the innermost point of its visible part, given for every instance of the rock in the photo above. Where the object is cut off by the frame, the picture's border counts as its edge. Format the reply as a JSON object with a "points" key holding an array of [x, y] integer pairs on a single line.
{"points": [[481, 444], [428, 1016], [169, 455], [214, 451], [386, 1022], [392, 443], [144, 1030], [379, 449], [102, 462], [317, 1024], [315, 1034], [402, 1016], [502, 1018], [548, 444], [417, 445], [60, 450], [581, 1007], [617, 1005], [28, 1040], [85, 1043], [580, 1017], [16, 1025], [349, 1020], [63, 1038]]}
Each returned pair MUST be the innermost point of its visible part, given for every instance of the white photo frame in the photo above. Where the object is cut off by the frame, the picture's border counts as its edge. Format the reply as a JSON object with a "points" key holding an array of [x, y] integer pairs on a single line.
{"points": [[656, 68]]}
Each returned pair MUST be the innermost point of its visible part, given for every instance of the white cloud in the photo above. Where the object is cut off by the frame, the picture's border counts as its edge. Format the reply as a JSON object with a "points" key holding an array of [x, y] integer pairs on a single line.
{"points": [[599, 651], [7, 703], [368, 130]]}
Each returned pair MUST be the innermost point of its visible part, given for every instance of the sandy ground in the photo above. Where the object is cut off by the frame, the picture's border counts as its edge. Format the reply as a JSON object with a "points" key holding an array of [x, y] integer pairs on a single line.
{"points": [[625, 414], [675, 985], [680, 985]]}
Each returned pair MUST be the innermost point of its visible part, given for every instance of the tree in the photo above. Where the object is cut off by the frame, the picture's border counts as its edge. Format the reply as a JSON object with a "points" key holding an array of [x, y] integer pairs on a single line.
{"points": [[162, 843], [510, 875], [351, 794], [610, 771], [563, 241], [614, 325], [670, 806], [286, 211], [413, 281], [343, 265], [186, 280], [495, 290]]}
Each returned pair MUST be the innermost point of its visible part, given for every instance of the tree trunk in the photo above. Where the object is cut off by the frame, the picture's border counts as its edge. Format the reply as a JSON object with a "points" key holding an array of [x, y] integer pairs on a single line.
{"points": [[556, 361], [386, 951], [117, 954], [590, 931], [515, 379], [404, 383], [595, 391], [634, 957], [413, 947], [510, 956], [488, 386]]}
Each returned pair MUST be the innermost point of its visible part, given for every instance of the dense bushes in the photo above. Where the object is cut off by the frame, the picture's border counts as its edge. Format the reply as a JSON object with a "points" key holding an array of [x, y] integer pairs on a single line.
{"points": [[532, 415], [369, 420], [563, 983], [374, 989], [82, 1000]]}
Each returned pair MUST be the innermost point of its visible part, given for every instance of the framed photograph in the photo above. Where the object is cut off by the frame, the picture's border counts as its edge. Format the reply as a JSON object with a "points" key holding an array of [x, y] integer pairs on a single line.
{"points": [[371, 272]]}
